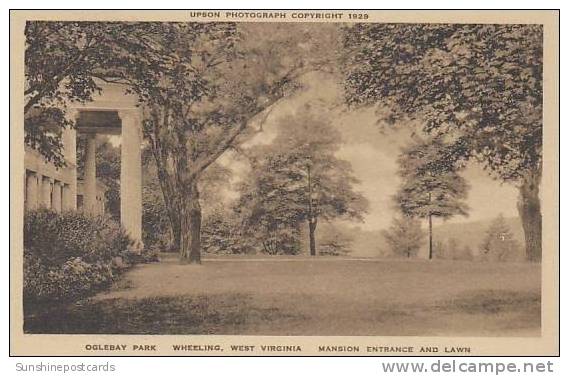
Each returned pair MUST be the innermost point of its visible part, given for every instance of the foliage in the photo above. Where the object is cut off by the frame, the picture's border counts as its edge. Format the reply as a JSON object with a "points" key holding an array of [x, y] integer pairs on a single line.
{"points": [[335, 241], [298, 178], [499, 243], [269, 231], [63, 61], [222, 233], [69, 256], [404, 236], [42, 132], [155, 224], [108, 159], [72, 280], [482, 80], [431, 186], [56, 238]]}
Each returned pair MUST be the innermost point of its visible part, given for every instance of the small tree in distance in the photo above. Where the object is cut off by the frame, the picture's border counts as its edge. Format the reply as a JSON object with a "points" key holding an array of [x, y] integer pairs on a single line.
{"points": [[405, 236], [499, 243], [440, 250], [431, 186]]}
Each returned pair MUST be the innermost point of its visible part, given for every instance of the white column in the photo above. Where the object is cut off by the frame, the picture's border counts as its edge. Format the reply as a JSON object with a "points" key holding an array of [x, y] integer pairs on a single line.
{"points": [[46, 192], [70, 153], [131, 174], [90, 178], [56, 197], [31, 190], [68, 202]]}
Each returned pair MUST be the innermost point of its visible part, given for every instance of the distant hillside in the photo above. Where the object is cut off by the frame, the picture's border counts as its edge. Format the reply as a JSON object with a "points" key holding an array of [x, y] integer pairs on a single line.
{"points": [[472, 233], [362, 243], [365, 243], [369, 244]]}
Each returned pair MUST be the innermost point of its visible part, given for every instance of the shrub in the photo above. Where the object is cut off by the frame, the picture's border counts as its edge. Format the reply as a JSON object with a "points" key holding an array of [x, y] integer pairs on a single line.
{"points": [[334, 240], [222, 234], [56, 238], [499, 243], [73, 280], [70, 256], [155, 222]]}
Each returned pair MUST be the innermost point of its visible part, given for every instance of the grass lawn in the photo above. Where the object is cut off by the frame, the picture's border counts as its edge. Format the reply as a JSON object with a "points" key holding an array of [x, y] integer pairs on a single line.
{"points": [[303, 296]]}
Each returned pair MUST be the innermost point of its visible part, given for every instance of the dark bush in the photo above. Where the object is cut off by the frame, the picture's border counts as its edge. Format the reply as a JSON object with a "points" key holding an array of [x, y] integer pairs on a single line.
{"points": [[221, 234], [73, 280], [56, 238], [155, 222], [70, 256]]}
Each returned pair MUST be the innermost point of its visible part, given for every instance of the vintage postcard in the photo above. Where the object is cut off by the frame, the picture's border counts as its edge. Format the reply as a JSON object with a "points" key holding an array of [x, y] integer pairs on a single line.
{"points": [[262, 182]]}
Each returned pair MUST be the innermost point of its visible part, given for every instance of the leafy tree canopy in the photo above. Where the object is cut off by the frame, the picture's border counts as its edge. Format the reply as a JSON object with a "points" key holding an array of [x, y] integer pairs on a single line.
{"points": [[483, 82], [430, 186]]}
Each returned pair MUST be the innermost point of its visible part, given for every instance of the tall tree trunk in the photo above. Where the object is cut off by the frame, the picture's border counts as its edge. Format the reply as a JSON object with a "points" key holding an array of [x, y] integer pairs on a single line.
{"points": [[191, 220], [167, 186], [312, 222], [430, 236], [529, 208], [175, 234]]}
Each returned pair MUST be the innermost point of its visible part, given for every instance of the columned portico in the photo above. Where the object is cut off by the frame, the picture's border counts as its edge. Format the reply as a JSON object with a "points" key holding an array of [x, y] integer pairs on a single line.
{"points": [[126, 123], [114, 113], [111, 112]]}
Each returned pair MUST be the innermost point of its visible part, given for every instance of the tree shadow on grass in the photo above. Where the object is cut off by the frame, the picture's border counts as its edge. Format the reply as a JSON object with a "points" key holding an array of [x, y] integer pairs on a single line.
{"points": [[212, 314], [476, 313], [492, 302], [481, 313]]}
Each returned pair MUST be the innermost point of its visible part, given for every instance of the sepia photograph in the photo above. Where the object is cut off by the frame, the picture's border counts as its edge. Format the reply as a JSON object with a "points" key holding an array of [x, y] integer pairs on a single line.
{"points": [[284, 174]]}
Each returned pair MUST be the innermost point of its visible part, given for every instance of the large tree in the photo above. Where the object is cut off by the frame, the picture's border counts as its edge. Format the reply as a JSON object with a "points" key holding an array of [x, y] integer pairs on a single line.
{"points": [[431, 186], [299, 178], [481, 82], [156, 227], [203, 87]]}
